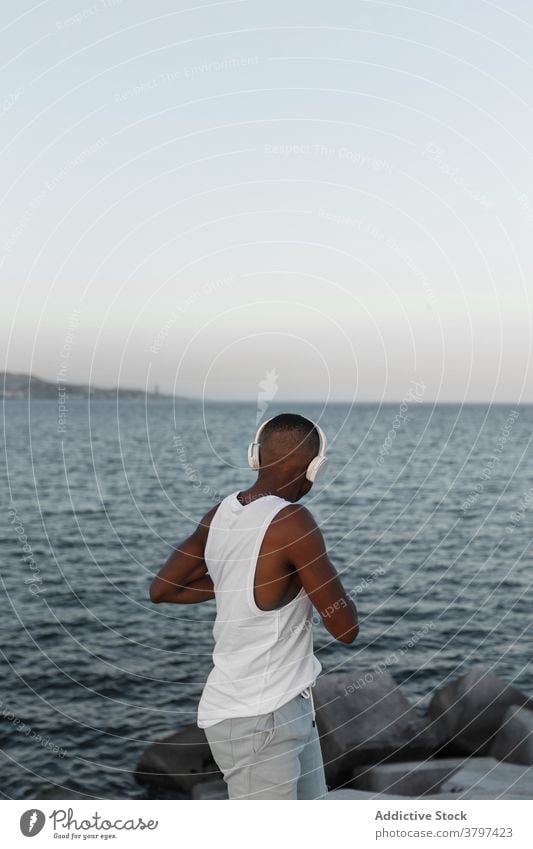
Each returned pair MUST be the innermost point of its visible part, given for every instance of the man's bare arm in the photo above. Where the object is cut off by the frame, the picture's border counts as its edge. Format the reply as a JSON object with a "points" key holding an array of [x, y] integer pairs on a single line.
{"points": [[184, 578], [318, 576]]}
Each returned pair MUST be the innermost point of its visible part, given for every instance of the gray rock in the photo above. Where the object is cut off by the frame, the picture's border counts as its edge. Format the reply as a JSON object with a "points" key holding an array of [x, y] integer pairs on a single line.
{"points": [[441, 797], [406, 778], [365, 718], [514, 740], [474, 795], [210, 790], [469, 711], [179, 761], [358, 794], [487, 778]]}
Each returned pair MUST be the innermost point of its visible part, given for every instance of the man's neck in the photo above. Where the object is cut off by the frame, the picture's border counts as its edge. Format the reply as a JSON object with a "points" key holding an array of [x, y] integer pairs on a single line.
{"points": [[247, 496], [267, 487]]}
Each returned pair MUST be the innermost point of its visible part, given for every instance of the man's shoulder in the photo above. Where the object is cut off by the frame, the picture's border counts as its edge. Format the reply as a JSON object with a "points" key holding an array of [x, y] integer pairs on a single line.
{"points": [[205, 522], [294, 519]]}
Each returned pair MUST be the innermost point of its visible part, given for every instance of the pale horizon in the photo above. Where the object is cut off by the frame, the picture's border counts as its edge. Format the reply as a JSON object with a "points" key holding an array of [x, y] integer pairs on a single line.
{"points": [[198, 197], [424, 402]]}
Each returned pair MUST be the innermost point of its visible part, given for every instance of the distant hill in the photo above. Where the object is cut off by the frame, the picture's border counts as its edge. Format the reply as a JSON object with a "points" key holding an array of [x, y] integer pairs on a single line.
{"points": [[19, 385]]}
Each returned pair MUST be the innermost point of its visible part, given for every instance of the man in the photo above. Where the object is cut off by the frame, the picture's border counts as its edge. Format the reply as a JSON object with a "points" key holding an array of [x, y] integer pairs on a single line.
{"points": [[263, 558]]}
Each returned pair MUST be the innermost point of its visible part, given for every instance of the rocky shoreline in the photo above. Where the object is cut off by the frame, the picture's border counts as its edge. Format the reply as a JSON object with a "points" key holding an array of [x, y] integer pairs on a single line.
{"points": [[475, 742]]}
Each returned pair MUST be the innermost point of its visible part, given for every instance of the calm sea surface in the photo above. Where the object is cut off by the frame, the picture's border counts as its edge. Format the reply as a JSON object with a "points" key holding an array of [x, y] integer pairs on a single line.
{"points": [[431, 529]]}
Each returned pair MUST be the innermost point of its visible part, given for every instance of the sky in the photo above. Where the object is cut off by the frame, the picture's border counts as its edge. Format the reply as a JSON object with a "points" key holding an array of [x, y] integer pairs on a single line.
{"points": [[239, 199]]}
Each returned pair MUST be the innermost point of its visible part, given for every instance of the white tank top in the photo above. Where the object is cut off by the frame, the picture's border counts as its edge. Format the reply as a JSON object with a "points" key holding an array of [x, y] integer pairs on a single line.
{"points": [[262, 658]]}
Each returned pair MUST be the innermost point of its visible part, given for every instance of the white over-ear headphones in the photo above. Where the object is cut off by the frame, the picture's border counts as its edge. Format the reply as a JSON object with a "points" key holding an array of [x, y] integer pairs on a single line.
{"points": [[315, 466]]}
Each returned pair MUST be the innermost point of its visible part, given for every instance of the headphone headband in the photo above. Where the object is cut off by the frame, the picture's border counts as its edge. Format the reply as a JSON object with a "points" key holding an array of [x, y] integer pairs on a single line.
{"points": [[317, 463]]}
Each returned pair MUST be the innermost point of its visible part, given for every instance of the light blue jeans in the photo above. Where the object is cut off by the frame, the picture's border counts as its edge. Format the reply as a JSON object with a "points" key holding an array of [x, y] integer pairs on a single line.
{"points": [[275, 755]]}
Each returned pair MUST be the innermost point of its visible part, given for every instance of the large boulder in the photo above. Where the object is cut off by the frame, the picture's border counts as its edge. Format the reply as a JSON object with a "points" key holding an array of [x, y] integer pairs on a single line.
{"points": [[365, 718], [468, 712], [406, 778], [179, 761], [514, 740], [360, 795], [487, 778], [210, 790], [475, 794]]}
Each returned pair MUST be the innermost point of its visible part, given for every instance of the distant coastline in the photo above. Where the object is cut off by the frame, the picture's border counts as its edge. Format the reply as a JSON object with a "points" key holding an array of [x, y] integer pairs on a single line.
{"points": [[21, 386]]}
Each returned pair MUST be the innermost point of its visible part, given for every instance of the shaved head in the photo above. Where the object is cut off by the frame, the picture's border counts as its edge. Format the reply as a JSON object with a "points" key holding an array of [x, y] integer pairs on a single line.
{"points": [[289, 441]]}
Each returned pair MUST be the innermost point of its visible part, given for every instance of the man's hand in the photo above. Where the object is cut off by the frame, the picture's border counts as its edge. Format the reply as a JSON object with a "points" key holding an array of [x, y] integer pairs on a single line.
{"points": [[184, 578]]}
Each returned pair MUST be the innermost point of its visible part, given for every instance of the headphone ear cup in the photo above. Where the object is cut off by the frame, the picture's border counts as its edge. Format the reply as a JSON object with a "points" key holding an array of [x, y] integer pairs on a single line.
{"points": [[315, 466], [253, 455]]}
